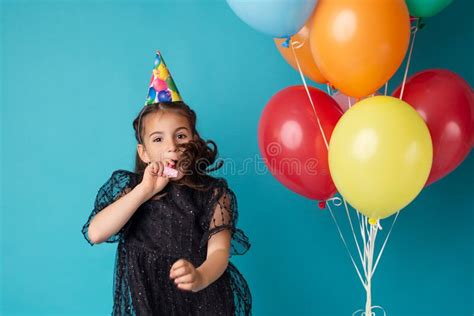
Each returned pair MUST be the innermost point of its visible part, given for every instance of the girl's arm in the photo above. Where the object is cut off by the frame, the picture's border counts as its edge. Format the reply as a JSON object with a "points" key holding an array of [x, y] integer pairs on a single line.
{"points": [[217, 257], [113, 217], [218, 246], [186, 276]]}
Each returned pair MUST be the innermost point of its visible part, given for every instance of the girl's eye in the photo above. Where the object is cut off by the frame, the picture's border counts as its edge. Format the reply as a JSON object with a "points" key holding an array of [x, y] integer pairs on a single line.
{"points": [[181, 136], [157, 139]]}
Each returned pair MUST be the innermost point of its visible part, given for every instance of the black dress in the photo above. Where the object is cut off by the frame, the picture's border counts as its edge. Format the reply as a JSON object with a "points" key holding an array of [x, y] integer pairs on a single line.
{"points": [[162, 231]]}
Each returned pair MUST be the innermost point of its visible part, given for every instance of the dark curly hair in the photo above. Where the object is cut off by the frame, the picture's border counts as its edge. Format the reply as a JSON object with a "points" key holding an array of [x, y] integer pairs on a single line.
{"points": [[197, 156]]}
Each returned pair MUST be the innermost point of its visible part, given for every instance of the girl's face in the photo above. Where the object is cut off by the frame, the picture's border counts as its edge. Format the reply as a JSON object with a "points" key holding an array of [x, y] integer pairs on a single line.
{"points": [[163, 131]]}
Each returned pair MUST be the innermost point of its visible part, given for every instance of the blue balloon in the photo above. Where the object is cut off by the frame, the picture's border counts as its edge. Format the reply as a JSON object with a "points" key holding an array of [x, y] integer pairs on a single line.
{"points": [[152, 93], [281, 18], [164, 95]]}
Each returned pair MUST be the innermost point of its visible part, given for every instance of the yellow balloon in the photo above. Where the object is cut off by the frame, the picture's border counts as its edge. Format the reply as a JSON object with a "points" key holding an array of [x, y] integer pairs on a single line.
{"points": [[380, 155]]}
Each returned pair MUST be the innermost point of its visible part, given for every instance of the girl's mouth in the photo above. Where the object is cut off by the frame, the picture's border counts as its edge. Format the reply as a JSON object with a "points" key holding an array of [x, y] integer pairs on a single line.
{"points": [[172, 163]]}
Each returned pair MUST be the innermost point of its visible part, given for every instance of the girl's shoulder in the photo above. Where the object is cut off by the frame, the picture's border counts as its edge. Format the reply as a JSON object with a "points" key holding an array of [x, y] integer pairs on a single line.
{"points": [[215, 187], [215, 182], [124, 172], [123, 178]]}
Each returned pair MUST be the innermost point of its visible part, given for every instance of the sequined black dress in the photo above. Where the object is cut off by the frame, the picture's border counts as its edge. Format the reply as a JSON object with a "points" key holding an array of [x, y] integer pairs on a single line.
{"points": [[160, 232]]}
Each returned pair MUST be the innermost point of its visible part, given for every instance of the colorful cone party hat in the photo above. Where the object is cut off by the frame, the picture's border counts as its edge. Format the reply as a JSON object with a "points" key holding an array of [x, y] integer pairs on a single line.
{"points": [[162, 87]]}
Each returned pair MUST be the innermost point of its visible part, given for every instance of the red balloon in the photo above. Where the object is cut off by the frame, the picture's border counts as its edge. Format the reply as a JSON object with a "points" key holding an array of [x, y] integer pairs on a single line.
{"points": [[445, 101], [291, 142], [472, 121]]}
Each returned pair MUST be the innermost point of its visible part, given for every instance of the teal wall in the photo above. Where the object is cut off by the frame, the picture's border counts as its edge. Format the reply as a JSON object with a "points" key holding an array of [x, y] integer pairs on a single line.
{"points": [[74, 74]]}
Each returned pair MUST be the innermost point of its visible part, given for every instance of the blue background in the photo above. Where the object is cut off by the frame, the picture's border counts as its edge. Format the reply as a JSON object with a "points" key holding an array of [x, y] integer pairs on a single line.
{"points": [[74, 75]]}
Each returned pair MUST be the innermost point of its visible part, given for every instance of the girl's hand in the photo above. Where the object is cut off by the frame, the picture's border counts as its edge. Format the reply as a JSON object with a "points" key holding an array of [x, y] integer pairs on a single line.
{"points": [[186, 276], [153, 178]]}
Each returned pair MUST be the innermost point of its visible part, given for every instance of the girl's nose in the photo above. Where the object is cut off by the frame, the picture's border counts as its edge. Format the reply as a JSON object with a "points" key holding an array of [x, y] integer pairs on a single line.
{"points": [[172, 147]]}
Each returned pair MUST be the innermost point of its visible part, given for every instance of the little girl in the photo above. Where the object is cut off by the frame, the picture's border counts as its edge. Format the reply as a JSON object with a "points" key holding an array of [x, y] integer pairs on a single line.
{"points": [[175, 234]]}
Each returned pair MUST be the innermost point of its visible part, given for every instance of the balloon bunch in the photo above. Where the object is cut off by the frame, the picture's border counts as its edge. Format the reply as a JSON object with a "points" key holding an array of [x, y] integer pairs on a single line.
{"points": [[377, 151]]}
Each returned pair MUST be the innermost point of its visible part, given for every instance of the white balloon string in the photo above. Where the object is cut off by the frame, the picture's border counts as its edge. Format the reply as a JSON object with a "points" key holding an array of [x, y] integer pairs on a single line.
{"points": [[367, 226], [307, 91], [353, 233], [347, 248], [365, 245], [376, 229], [297, 44], [335, 200], [368, 280], [370, 256], [386, 88], [408, 60], [360, 219], [385, 241], [369, 250], [349, 101], [328, 88], [363, 313]]}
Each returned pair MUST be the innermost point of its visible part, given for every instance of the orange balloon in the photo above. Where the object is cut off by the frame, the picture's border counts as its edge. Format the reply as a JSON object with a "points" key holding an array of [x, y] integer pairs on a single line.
{"points": [[303, 52], [359, 44]]}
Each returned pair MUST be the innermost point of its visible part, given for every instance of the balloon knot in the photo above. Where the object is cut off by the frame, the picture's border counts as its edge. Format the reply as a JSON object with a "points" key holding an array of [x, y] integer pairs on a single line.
{"points": [[322, 205], [372, 221], [286, 43], [421, 24]]}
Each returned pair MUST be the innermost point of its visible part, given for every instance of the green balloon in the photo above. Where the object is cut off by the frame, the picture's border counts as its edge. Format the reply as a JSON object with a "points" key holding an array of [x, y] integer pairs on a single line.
{"points": [[426, 8], [171, 84]]}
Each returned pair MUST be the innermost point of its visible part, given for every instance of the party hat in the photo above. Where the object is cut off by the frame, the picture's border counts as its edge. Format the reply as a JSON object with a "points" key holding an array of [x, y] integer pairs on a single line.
{"points": [[162, 86]]}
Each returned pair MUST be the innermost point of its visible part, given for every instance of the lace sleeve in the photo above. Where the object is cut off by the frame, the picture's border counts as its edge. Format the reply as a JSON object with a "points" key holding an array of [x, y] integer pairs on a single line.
{"points": [[119, 183], [221, 213]]}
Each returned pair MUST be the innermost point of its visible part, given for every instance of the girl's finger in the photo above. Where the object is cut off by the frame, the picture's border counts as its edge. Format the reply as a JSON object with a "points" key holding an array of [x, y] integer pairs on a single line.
{"points": [[185, 286], [161, 167], [187, 278], [178, 264], [180, 272]]}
